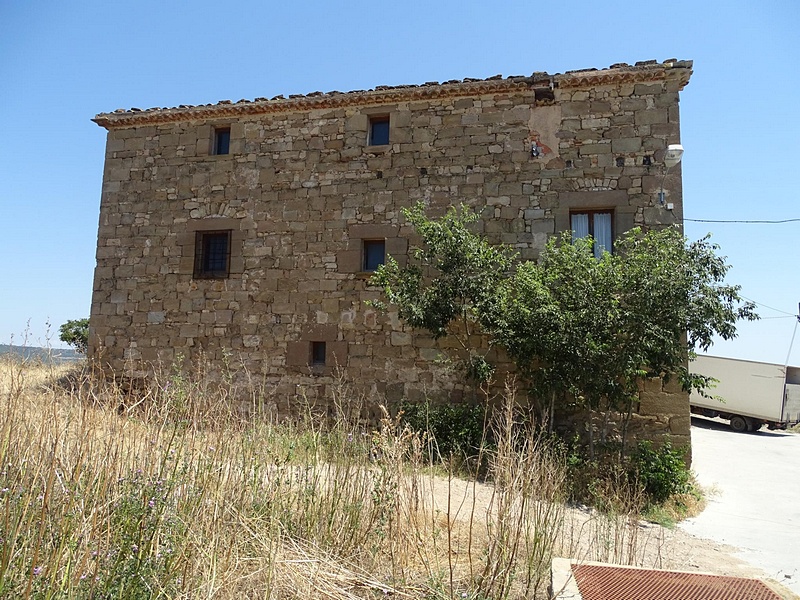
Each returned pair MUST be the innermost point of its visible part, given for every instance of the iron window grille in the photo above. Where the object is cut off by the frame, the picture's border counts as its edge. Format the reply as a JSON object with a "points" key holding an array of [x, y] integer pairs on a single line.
{"points": [[212, 254]]}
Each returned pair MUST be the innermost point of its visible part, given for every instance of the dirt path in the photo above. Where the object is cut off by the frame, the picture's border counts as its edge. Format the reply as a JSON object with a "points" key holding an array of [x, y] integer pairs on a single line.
{"points": [[588, 535]]}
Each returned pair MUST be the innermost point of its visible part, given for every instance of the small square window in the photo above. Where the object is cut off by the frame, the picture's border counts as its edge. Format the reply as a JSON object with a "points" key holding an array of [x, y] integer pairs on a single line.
{"points": [[212, 254], [378, 131], [317, 354], [222, 140], [598, 224], [374, 254]]}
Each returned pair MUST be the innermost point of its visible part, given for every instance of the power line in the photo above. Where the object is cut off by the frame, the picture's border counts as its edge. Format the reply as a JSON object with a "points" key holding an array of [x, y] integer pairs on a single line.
{"points": [[769, 307], [724, 221]]}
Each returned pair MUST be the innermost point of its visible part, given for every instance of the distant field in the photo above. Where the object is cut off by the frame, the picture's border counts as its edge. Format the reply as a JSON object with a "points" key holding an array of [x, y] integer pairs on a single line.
{"points": [[44, 354]]}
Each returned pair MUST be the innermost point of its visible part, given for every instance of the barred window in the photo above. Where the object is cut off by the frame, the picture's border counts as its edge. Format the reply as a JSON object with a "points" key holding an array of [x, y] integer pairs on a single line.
{"points": [[212, 254]]}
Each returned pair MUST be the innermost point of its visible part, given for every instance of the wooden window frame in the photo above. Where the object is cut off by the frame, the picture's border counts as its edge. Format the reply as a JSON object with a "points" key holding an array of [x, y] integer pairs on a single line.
{"points": [[590, 214]]}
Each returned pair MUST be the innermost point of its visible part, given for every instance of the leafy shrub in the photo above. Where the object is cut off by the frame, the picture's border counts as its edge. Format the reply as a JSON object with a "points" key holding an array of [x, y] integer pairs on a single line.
{"points": [[650, 480], [662, 473], [457, 429], [75, 332]]}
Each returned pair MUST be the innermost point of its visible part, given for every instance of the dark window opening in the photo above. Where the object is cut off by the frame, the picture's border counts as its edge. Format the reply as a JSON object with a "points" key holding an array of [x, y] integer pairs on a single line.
{"points": [[374, 254], [544, 94], [212, 254], [317, 354], [596, 223], [222, 140], [379, 131]]}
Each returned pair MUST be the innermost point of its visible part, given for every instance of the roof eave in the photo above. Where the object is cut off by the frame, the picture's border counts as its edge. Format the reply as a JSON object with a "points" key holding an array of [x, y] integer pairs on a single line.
{"points": [[616, 75]]}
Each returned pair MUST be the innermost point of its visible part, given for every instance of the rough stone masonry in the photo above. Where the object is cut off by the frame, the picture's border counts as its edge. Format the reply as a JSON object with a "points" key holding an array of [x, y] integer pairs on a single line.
{"points": [[249, 229]]}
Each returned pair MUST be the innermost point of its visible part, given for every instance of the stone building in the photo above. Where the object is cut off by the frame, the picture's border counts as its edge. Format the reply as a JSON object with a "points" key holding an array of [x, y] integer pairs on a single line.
{"points": [[250, 228]]}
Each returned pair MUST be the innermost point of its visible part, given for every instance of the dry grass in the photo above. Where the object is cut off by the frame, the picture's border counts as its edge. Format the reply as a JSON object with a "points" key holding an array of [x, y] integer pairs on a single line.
{"points": [[173, 494]]}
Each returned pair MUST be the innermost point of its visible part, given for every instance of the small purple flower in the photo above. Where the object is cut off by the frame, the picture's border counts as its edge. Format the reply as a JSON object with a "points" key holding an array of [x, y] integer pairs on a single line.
{"points": [[152, 503], [37, 571]]}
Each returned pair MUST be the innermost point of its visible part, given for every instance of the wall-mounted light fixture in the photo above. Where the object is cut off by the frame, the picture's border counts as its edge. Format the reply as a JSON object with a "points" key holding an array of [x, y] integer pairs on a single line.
{"points": [[672, 157]]}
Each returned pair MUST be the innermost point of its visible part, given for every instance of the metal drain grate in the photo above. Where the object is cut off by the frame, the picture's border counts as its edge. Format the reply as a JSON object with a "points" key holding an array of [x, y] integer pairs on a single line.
{"points": [[597, 582]]}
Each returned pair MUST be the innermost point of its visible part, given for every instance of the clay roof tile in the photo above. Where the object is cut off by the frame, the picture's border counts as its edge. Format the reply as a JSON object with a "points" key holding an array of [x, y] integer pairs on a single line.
{"points": [[619, 72]]}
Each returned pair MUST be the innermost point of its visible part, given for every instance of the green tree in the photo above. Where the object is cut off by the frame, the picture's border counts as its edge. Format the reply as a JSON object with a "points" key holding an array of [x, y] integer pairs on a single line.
{"points": [[75, 333], [588, 330], [554, 324], [579, 329], [452, 284]]}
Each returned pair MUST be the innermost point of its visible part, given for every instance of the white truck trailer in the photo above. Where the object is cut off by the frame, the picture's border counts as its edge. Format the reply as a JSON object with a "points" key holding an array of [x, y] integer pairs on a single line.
{"points": [[748, 394]]}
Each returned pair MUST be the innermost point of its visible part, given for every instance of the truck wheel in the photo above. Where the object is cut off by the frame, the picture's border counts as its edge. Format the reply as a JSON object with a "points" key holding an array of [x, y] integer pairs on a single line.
{"points": [[757, 425], [738, 424]]}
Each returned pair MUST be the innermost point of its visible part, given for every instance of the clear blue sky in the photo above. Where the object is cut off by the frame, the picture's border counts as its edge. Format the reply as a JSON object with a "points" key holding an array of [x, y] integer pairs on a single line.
{"points": [[63, 62]]}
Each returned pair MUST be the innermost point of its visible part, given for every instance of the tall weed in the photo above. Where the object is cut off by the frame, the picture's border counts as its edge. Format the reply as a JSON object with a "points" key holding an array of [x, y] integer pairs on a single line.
{"points": [[171, 490]]}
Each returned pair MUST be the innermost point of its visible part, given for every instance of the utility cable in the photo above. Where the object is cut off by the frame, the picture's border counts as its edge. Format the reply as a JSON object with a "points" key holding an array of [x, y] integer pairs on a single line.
{"points": [[769, 307], [723, 221]]}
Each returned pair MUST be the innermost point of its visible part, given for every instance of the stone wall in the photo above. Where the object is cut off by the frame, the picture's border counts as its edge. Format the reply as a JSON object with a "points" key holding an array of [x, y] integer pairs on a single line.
{"points": [[659, 415], [302, 188]]}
